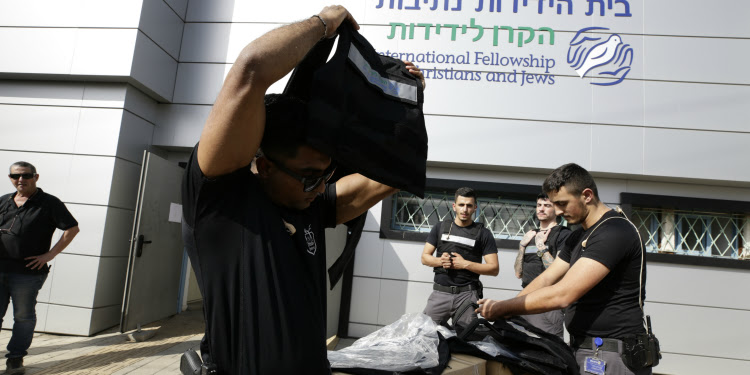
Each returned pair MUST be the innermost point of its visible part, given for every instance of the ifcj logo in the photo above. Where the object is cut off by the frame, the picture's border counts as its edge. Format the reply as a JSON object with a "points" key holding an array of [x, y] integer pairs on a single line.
{"points": [[600, 56]]}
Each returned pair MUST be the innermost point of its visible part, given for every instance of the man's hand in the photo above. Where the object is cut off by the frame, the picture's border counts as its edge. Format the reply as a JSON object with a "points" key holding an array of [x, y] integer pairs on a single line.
{"points": [[416, 72], [527, 238], [37, 262], [490, 309], [541, 239], [459, 262], [446, 261], [333, 16]]}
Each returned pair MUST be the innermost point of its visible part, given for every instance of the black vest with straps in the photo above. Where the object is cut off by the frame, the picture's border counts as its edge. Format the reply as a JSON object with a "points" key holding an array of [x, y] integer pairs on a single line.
{"points": [[532, 263], [450, 242]]}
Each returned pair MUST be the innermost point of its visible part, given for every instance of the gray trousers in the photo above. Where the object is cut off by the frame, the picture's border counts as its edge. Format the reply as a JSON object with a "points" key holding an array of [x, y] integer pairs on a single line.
{"points": [[550, 322], [442, 305], [614, 366]]}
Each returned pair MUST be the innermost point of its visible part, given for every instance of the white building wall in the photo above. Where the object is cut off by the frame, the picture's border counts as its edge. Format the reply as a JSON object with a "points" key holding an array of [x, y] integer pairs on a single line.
{"points": [[676, 126], [84, 144], [79, 87]]}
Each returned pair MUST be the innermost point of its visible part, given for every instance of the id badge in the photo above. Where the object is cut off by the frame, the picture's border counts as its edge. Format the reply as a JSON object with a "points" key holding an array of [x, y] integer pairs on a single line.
{"points": [[594, 365]]}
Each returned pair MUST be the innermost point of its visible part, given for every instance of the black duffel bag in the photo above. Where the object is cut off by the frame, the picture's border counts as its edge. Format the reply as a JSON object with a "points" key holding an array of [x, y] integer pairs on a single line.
{"points": [[524, 349]]}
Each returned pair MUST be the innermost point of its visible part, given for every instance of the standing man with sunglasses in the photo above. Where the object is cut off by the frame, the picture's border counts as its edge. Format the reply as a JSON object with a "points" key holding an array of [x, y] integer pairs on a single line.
{"points": [[28, 218], [257, 241]]}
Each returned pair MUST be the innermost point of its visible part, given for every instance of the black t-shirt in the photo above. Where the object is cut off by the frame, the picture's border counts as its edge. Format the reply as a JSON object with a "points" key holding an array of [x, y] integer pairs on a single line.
{"points": [[484, 245], [27, 230], [609, 309], [532, 263], [264, 290]]}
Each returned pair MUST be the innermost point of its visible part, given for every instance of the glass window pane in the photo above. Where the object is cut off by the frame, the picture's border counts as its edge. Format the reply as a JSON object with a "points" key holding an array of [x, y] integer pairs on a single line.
{"points": [[692, 233]]}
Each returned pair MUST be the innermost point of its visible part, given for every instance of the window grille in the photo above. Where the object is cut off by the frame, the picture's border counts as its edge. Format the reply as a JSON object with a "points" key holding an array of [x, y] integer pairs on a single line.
{"points": [[506, 218], [693, 233]]}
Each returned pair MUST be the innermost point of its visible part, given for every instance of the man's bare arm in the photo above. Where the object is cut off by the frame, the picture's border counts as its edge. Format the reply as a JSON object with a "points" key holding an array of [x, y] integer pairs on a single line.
{"points": [[581, 278], [518, 264], [355, 194], [235, 125], [37, 262], [428, 259], [490, 267]]}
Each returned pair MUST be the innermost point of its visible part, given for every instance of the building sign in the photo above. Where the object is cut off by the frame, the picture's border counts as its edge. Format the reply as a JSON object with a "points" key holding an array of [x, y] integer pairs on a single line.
{"points": [[499, 51], [611, 55]]}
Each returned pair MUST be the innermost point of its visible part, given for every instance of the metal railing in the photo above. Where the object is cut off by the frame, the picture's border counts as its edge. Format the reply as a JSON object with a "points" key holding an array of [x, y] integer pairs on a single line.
{"points": [[663, 231], [693, 233], [506, 218]]}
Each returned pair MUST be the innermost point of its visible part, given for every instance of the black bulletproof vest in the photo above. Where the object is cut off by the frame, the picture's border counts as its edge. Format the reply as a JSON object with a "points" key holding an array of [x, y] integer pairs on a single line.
{"points": [[447, 245], [533, 265], [365, 110]]}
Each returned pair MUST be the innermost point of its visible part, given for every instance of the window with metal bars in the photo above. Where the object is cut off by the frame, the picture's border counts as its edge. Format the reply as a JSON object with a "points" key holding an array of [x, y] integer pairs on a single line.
{"points": [[689, 226], [693, 233], [505, 209], [506, 218]]}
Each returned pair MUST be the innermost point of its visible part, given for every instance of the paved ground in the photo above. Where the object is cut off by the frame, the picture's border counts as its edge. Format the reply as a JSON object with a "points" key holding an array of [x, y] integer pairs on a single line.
{"points": [[111, 353]]}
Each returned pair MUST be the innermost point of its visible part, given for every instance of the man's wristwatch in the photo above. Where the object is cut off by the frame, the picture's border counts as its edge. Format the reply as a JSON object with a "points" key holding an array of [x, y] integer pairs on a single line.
{"points": [[540, 253]]}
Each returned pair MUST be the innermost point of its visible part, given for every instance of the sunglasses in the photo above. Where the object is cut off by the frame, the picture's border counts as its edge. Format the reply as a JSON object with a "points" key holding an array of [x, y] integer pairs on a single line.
{"points": [[26, 176], [308, 183]]}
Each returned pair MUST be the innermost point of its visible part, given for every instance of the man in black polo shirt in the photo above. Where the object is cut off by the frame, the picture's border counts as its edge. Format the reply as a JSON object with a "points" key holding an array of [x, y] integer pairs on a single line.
{"points": [[536, 251], [599, 277], [461, 244], [28, 218], [257, 241]]}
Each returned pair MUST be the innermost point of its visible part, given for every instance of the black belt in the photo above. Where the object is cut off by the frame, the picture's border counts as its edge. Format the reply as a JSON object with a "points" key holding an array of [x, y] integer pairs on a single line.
{"points": [[453, 289], [608, 345]]}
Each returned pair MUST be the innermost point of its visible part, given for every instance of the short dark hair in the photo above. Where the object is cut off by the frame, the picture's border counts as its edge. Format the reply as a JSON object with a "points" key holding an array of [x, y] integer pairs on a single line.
{"points": [[466, 192], [543, 196], [286, 125], [23, 164], [574, 177]]}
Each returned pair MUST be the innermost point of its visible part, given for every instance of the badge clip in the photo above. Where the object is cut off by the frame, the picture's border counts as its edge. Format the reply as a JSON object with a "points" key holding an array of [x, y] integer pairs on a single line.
{"points": [[595, 365]]}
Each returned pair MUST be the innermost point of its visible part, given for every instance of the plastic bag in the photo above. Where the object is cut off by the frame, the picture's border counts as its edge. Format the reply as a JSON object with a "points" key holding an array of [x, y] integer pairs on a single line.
{"points": [[490, 346], [524, 330], [406, 344]]}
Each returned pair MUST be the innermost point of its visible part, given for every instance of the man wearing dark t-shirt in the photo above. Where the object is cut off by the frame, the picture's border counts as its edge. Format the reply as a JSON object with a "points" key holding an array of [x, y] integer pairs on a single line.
{"points": [[28, 219], [537, 250], [461, 244], [599, 276], [257, 241]]}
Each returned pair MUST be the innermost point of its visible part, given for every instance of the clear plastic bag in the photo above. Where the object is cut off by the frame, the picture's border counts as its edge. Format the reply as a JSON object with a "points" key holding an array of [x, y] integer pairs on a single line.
{"points": [[490, 346], [406, 344], [524, 330]]}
